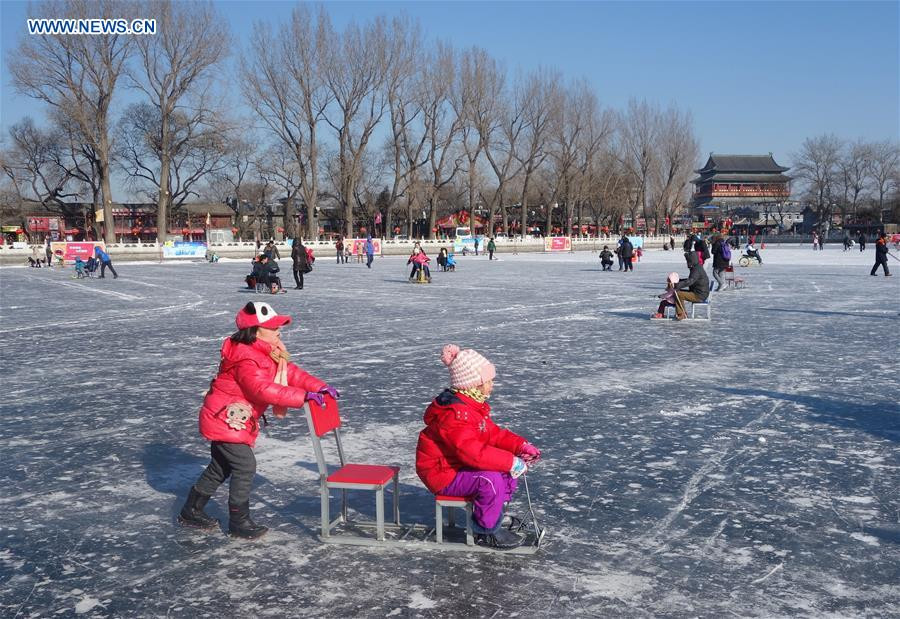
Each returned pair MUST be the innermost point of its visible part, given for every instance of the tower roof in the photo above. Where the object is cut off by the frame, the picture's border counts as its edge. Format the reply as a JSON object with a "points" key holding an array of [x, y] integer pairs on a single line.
{"points": [[741, 163]]}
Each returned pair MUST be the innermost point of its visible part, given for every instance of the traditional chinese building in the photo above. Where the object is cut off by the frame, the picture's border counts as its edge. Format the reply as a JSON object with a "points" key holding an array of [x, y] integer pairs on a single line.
{"points": [[731, 182]]}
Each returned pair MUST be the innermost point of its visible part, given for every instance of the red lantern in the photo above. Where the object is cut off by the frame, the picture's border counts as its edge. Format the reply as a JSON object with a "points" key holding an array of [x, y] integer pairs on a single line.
{"points": [[234, 230], [185, 231], [135, 231]]}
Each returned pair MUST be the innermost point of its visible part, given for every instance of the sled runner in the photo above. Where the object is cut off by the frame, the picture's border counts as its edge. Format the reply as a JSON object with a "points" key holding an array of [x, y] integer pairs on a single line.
{"points": [[323, 420]]}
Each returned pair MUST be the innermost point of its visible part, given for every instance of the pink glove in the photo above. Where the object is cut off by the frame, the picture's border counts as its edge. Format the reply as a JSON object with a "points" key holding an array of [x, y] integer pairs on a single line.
{"points": [[530, 453], [315, 397], [334, 393]]}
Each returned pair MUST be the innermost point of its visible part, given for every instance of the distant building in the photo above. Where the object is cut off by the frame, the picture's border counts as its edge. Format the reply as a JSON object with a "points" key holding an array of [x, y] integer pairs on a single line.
{"points": [[729, 183]]}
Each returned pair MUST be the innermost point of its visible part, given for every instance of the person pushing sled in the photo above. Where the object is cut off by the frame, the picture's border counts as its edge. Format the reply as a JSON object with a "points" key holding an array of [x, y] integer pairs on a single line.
{"points": [[462, 452]]}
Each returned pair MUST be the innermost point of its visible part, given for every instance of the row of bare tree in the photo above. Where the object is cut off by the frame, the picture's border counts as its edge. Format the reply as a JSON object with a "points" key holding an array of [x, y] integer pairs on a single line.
{"points": [[857, 179], [371, 117]]}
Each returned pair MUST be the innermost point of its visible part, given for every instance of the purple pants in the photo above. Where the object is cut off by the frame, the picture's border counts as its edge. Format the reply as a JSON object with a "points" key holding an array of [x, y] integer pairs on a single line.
{"points": [[489, 490]]}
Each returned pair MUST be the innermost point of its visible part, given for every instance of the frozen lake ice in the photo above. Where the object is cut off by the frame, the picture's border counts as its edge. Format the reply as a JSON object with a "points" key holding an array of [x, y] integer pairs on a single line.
{"points": [[746, 466]]}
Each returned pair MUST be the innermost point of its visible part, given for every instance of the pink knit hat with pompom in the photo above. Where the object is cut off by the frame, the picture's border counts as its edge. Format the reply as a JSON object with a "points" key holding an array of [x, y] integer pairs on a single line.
{"points": [[467, 368]]}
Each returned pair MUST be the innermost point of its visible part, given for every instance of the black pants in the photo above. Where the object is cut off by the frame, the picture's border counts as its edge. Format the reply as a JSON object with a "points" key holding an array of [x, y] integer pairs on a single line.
{"points": [[298, 277], [103, 266], [607, 266], [234, 460], [628, 264], [490, 254], [883, 263]]}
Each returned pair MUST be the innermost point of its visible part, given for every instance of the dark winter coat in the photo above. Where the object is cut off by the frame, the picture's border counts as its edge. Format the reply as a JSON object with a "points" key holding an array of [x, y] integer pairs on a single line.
{"points": [[881, 250], [298, 255], [606, 257], [459, 434], [688, 244], [719, 260], [627, 249], [247, 376], [697, 281], [702, 249]]}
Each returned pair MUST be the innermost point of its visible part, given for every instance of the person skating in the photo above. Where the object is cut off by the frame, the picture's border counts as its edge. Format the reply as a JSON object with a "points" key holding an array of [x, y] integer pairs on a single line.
{"points": [[298, 255], [476, 245], [721, 255], [694, 289], [861, 239], [49, 253], [419, 262], [881, 254], [105, 263], [491, 247], [255, 372], [847, 242], [370, 251], [339, 247], [606, 259], [462, 452], [271, 251], [627, 252]]}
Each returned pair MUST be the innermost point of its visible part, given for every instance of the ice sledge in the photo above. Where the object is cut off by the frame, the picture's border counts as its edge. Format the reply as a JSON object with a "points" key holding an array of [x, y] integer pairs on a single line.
{"points": [[376, 477]]}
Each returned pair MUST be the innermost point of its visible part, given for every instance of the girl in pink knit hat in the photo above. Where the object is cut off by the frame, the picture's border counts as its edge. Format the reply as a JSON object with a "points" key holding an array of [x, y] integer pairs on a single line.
{"points": [[462, 452]]}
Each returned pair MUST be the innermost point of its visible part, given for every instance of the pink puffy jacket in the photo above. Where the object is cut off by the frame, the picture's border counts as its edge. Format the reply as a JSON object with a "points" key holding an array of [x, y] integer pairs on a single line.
{"points": [[247, 375]]}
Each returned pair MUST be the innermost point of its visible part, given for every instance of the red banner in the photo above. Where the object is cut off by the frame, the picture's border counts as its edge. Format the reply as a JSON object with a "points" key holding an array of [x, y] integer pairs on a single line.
{"points": [[70, 250], [557, 243]]}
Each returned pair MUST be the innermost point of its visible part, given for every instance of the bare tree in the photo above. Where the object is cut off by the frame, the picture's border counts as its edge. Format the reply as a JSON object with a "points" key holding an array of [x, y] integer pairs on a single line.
{"points": [[672, 166], [402, 153], [853, 168], [538, 96], [78, 75], [284, 74], [441, 126], [195, 148], [227, 184], [817, 164], [639, 132], [884, 170], [193, 39], [34, 165], [354, 73]]}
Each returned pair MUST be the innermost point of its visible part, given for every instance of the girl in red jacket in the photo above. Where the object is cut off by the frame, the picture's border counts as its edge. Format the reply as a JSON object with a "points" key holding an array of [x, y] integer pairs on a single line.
{"points": [[255, 372], [462, 452]]}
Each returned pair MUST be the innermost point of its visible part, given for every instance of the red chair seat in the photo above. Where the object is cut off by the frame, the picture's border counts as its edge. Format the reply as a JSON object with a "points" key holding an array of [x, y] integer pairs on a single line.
{"points": [[363, 474], [445, 497]]}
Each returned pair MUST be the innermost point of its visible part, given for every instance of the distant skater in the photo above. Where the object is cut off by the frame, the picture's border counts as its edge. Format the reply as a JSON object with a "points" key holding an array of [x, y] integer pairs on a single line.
{"points": [[881, 254], [105, 262]]}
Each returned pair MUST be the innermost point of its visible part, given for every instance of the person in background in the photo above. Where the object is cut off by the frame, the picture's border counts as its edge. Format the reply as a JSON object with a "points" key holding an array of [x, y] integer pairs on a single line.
{"points": [[339, 248], [861, 239], [606, 259], [105, 262], [49, 253], [370, 251], [298, 255], [881, 254], [491, 247], [721, 255]]}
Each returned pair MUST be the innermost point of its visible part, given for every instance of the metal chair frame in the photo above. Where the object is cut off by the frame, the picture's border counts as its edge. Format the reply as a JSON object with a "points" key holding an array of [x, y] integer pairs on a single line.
{"points": [[325, 486]]}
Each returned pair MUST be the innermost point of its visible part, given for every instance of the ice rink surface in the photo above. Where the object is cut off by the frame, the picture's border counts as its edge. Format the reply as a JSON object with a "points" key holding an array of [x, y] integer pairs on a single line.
{"points": [[747, 466]]}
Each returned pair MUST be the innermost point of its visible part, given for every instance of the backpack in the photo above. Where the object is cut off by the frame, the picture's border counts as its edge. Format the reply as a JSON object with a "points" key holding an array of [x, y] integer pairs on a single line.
{"points": [[726, 250]]}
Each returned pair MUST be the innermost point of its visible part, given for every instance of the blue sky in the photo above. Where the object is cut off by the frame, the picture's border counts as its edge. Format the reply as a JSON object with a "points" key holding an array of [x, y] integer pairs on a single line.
{"points": [[757, 76]]}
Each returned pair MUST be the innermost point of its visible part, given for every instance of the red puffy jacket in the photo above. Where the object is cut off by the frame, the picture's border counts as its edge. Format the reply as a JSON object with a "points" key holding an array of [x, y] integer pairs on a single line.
{"points": [[247, 375], [459, 434]]}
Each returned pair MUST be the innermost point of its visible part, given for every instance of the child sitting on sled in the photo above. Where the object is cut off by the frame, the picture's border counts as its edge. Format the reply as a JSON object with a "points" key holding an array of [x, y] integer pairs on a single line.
{"points": [[462, 452], [668, 298], [420, 263]]}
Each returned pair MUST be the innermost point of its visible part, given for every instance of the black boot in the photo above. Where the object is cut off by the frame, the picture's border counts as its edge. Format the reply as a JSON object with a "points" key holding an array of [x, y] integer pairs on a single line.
{"points": [[501, 539], [241, 525], [192, 513]]}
